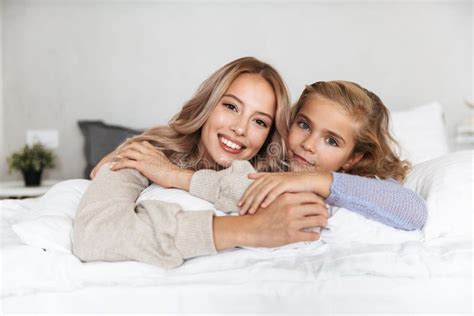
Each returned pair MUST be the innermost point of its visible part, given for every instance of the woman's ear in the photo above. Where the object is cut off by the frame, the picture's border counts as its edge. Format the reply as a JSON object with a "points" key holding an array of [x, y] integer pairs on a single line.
{"points": [[355, 158]]}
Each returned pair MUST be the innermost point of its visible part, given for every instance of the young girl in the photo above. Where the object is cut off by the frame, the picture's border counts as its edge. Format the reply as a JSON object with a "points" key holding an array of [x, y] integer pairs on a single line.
{"points": [[208, 131], [339, 148]]}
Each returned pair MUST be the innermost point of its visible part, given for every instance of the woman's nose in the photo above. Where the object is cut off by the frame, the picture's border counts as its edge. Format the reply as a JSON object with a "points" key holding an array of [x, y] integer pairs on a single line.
{"points": [[239, 128]]}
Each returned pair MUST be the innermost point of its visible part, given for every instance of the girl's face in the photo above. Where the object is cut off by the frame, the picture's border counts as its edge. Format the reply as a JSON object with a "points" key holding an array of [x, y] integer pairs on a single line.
{"points": [[240, 123], [322, 137]]}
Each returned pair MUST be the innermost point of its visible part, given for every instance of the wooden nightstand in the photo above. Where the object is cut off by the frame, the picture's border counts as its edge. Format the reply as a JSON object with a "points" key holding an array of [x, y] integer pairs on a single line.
{"points": [[17, 189]]}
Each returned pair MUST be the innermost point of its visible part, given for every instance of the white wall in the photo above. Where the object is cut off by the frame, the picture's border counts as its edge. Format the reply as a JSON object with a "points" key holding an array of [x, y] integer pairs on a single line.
{"points": [[3, 166], [135, 62]]}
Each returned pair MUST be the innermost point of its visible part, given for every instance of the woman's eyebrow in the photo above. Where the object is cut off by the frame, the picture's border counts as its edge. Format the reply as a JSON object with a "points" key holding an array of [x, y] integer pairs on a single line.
{"points": [[242, 103], [234, 97]]}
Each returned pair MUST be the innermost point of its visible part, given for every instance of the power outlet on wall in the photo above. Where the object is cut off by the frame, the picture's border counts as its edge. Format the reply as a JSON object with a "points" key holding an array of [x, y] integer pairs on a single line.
{"points": [[48, 137]]}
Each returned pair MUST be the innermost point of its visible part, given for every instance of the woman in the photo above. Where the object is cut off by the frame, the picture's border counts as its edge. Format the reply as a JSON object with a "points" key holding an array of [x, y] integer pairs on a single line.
{"points": [[209, 132]]}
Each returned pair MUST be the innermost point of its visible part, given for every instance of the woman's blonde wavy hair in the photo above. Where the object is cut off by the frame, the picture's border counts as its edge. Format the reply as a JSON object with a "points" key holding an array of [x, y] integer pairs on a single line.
{"points": [[180, 139], [373, 138]]}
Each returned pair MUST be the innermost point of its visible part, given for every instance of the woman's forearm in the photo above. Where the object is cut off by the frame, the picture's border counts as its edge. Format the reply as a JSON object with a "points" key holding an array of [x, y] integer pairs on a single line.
{"points": [[183, 179], [111, 226]]}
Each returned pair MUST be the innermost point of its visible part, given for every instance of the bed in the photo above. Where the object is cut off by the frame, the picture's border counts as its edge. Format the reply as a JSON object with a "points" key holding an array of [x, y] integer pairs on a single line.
{"points": [[358, 266]]}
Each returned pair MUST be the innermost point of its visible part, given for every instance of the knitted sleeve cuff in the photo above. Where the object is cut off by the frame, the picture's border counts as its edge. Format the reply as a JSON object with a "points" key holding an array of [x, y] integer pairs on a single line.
{"points": [[337, 189], [205, 185], [194, 236]]}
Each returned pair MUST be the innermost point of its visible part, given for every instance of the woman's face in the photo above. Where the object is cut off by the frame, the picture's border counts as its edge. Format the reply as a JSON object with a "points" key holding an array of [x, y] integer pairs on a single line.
{"points": [[322, 137], [240, 123]]}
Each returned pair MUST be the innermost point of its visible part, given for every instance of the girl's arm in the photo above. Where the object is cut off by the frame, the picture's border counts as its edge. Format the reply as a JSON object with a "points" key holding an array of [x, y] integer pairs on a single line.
{"points": [[385, 201]]}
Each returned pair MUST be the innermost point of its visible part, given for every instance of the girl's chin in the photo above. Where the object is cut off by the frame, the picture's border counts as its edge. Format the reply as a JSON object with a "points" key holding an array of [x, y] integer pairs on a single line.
{"points": [[298, 167]]}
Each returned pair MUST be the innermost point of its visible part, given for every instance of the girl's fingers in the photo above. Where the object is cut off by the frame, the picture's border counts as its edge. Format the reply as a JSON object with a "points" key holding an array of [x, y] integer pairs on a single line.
{"points": [[276, 192], [259, 192], [249, 190], [249, 195], [261, 195]]}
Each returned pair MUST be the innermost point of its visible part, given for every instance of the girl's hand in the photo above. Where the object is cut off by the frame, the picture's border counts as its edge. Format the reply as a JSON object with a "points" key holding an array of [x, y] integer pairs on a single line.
{"points": [[153, 164], [268, 186]]}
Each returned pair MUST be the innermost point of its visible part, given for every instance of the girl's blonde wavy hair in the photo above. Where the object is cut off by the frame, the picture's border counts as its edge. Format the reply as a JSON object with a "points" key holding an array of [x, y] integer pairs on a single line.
{"points": [[180, 139], [373, 138]]}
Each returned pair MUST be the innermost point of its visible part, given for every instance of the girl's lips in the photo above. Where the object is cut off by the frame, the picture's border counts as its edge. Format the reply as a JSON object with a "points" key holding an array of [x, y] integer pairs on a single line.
{"points": [[301, 160]]}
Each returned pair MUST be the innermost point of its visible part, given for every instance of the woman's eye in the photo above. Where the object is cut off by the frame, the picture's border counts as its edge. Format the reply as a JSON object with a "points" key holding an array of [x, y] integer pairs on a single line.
{"points": [[230, 106], [332, 142], [303, 125], [261, 123]]}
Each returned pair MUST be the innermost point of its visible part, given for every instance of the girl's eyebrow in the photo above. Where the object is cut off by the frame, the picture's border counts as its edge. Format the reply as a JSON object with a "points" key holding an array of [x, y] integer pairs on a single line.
{"points": [[328, 131], [337, 136], [242, 103]]}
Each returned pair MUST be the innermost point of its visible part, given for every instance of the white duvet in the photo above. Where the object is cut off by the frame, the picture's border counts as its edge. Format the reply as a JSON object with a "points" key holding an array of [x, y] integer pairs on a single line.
{"points": [[352, 254]]}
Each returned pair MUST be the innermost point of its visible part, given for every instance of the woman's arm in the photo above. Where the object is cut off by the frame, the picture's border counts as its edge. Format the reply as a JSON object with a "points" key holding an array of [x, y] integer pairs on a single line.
{"points": [[110, 226]]}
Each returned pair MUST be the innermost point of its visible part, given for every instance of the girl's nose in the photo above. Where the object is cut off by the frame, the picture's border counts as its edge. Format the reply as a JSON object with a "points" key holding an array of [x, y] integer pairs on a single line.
{"points": [[308, 145]]}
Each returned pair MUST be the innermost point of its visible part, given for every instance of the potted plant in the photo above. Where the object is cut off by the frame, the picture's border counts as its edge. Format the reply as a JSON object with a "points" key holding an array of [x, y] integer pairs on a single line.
{"points": [[31, 161]]}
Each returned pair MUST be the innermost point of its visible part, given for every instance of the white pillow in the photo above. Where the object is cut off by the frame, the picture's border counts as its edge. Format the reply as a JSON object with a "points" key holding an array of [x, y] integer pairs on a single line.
{"points": [[446, 183], [53, 225], [187, 201], [52, 232], [420, 132], [51, 228]]}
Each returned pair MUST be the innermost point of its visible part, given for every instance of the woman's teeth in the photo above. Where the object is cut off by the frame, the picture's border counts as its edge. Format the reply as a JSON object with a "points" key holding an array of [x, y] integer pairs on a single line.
{"points": [[230, 144]]}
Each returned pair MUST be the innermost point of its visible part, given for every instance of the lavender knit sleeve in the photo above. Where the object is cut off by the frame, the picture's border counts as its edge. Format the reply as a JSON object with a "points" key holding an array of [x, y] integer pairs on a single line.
{"points": [[385, 201]]}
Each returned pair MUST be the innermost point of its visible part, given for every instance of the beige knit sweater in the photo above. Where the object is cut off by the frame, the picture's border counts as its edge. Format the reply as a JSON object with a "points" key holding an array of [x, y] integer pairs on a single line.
{"points": [[111, 226]]}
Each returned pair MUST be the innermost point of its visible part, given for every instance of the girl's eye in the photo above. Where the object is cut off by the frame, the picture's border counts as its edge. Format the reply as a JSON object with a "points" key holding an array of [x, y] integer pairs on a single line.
{"points": [[303, 125], [261, 122], [230, 106], [332, 142]]}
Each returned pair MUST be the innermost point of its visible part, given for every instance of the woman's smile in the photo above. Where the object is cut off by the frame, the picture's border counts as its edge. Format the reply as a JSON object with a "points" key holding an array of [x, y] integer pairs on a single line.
{"points": [[230, 145]]}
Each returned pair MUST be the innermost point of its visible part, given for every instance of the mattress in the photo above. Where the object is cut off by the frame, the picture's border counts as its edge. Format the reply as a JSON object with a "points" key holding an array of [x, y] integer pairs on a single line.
{"points": [[333, 278]]}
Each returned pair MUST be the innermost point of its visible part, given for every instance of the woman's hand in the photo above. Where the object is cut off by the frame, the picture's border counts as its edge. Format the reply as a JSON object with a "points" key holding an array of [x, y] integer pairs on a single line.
{"points": [[268, 186], [107, 158], [153, 164], [283, 222]]}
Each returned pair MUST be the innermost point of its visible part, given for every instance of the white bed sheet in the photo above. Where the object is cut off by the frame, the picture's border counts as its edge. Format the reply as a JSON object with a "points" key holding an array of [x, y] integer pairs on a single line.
{"points": [[416, 277]]}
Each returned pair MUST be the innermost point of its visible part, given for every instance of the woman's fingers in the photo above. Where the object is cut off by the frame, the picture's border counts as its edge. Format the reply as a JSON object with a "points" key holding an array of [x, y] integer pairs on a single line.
{"points": [[307, 210], [107, 158], [124, 163], [306, 236], [256, 175], [131, 154], [312, 221], [135, 146]]}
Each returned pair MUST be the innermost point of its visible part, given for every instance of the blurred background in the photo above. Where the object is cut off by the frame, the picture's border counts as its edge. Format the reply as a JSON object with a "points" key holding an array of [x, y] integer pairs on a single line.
{"points": [[134, 63]]}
